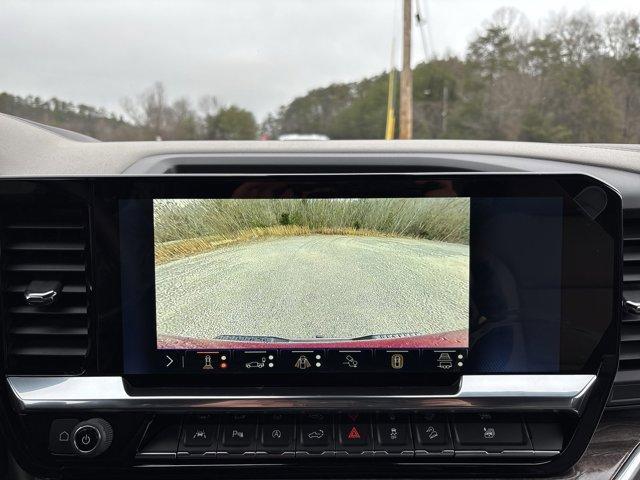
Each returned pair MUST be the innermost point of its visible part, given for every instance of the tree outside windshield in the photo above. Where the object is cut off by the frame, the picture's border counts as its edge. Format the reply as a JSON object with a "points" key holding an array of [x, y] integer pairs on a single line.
{"points": [[568, 75]]}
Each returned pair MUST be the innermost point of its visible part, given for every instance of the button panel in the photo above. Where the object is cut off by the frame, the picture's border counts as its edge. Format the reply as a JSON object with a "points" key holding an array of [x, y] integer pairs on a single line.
{"points": [[277, 435], [319, 434], [490, 434], [238, 434], [160, 441], [315, 435], [60, 441], [393, 434], [199, 436], [432, 434], [351, 361], [354, 434]]}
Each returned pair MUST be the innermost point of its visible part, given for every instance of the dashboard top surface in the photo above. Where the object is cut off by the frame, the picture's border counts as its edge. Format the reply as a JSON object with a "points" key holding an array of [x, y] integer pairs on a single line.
{"points": [[29, 149]]}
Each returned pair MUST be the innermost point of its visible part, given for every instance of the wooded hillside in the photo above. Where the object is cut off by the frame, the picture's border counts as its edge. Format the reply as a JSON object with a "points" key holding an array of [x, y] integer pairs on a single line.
{"points": [[576, 79]]}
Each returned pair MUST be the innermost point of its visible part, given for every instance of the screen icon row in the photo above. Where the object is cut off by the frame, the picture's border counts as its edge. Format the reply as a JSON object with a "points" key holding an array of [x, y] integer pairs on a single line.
{"points": [[318, 360]]}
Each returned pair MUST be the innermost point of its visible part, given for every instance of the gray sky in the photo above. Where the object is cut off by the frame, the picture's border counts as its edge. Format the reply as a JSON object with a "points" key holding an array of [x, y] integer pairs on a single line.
{"points": [[258, 54]]}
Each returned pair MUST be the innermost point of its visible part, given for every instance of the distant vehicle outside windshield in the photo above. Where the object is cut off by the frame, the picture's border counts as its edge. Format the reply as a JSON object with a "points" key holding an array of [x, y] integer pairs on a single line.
{"points": [[565, 71]]}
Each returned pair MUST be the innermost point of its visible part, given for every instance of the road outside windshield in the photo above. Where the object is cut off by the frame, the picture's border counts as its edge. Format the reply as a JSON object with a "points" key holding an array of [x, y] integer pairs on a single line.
{"points": [[322, 272], [562, 71]]}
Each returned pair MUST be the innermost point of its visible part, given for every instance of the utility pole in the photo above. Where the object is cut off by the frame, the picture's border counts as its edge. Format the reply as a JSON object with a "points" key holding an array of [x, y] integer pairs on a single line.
{"points": [[391, 114], [390, 131], [406, 78], [445, 108]]}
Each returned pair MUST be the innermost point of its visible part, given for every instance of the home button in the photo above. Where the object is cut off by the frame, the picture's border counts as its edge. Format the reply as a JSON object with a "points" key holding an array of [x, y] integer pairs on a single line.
{"points": [[60, 442]]}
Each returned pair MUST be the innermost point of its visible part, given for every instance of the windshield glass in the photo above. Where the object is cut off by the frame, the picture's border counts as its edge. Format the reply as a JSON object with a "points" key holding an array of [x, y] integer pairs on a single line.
{"points": [[544, 71]]}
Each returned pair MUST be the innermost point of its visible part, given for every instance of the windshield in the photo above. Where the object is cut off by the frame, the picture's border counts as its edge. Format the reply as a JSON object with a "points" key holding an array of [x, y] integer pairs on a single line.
{"points": [[545, 71]]}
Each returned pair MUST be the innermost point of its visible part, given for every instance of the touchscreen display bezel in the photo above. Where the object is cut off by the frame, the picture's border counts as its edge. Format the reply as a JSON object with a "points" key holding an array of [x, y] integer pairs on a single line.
{"points": [[603, 288]]}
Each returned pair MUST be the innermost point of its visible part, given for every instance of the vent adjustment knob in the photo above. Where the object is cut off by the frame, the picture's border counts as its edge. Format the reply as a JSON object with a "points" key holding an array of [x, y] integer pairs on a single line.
{"points": [[92, 437], [42, 293]]}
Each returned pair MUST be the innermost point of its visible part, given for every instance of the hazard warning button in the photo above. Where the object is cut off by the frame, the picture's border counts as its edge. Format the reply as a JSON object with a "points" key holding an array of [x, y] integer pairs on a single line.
{"points": [[354, 433]]}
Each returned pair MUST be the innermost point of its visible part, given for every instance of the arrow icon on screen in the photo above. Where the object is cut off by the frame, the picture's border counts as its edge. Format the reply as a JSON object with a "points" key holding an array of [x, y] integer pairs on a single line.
{"points": [[170, 361]]}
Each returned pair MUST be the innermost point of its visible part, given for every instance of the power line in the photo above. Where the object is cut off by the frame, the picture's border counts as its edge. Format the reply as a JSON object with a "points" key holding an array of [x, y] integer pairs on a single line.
{"points": [[428, 17], [422, 20]]}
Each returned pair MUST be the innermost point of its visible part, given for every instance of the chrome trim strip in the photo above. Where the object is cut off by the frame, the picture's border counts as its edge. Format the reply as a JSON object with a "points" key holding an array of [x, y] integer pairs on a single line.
{"points": [[477, 392], [502, 454], [630, 469]]}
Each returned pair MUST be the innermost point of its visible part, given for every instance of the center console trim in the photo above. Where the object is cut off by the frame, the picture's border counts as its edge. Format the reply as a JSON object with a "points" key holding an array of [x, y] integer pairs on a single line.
{"points": [[476, 392]]}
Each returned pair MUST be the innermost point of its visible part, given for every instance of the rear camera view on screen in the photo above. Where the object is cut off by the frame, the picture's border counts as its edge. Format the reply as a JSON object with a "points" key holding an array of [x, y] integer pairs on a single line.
{"points": [[327, 273]]}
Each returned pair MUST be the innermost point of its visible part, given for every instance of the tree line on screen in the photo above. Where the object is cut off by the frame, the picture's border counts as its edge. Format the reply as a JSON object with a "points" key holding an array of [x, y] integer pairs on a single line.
{"points": [[575, 79], [442, 219], [187, 227]]}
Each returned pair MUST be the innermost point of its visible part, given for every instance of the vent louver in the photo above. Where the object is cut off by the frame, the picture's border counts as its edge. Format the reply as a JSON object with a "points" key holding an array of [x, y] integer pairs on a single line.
{"points": [[626, 389], [48, 247], [630, 335]]}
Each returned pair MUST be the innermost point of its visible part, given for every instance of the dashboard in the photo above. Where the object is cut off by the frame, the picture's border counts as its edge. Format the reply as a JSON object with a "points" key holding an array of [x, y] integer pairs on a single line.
{"points": [[352, 312], [476, 338]]}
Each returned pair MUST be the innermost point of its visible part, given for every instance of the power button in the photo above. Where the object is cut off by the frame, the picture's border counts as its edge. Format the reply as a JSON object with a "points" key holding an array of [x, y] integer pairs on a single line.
{"points": [[86, 439], [92, 437]]}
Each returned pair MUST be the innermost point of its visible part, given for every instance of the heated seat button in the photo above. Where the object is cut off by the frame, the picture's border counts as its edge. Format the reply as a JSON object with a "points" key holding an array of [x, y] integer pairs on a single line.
{"points": [[354, 433], [238, 434], [60, 441], [277, 434], [489, 429], [392, 433]]}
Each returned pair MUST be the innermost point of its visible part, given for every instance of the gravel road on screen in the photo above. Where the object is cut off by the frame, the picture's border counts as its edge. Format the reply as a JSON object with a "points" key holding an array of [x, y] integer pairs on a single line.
{"points": [[330, 286]]}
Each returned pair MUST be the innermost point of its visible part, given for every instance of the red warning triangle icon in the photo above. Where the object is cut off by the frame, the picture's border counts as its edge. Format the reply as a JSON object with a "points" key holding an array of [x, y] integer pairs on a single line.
{"points": [[354, 434]]}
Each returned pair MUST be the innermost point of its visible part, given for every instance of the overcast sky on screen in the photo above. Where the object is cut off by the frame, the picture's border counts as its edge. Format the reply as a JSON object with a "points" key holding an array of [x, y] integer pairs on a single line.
{"points": [[258, 54]]}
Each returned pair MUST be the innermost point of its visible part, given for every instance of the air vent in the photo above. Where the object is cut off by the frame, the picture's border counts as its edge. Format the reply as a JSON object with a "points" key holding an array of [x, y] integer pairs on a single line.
{"points": [[630, 341], [627, 385], [45, 248]]}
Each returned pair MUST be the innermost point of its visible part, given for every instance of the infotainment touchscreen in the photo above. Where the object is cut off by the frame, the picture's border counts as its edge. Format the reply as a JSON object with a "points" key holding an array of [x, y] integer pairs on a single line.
{"points": [[343, 273], [356, 278]]}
